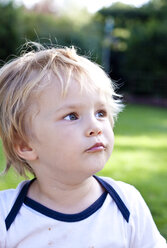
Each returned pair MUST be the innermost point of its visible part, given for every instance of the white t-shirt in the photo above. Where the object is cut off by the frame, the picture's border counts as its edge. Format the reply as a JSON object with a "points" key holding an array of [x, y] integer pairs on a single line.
{"points": [[102, 225]]}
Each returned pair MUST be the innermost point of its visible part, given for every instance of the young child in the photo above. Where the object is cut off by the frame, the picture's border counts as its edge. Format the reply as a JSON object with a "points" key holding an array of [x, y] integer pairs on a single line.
{"points": [[57, 114]]}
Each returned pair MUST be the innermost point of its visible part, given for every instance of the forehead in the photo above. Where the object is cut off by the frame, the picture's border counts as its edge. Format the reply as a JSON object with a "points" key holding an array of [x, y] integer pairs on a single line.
{"points": [[74, 82], [75, 91], [51, 101]]}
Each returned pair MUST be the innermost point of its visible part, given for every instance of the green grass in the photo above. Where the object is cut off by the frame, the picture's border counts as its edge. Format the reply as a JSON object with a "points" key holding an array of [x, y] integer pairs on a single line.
{"points": [[139, 158]]}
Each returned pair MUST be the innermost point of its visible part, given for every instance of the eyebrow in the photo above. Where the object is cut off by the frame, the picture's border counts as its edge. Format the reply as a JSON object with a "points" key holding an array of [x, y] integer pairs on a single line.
{"points": [[68, 107], [74, 106]]}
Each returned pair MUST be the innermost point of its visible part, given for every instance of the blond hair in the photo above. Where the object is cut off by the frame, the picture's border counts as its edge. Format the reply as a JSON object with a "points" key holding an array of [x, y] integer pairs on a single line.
{"points": [[24, 77]]}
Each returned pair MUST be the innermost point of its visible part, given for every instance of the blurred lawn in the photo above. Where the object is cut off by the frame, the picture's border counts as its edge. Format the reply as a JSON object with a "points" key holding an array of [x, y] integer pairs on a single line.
{"points": [[139, 158]]}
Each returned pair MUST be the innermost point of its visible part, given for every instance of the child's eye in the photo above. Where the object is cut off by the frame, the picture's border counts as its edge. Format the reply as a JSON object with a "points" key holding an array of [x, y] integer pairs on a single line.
{"points": [[71, 117], [101, 114]]}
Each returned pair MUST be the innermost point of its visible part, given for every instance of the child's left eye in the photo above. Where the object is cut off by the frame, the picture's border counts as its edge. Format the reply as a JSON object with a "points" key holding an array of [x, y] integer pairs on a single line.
{"points": [[71, 117], [101, 114]]}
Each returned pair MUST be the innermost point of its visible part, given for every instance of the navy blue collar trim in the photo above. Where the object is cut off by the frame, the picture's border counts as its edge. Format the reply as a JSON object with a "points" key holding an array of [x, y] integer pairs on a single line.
{"points": [[17, 205], [120, 204], [66, 217], [22, 198]]}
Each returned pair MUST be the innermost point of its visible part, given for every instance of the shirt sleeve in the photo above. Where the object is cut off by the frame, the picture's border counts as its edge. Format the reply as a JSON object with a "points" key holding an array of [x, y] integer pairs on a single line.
{"points": [[144, 232], [2, 231]]}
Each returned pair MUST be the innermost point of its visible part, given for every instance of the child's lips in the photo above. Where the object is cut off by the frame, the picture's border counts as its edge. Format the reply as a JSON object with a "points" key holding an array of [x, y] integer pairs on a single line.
{"points": [[96, 147]]}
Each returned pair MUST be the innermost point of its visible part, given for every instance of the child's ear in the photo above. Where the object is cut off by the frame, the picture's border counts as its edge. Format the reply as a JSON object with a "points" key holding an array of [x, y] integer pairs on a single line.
{"points": [[24, 150]]}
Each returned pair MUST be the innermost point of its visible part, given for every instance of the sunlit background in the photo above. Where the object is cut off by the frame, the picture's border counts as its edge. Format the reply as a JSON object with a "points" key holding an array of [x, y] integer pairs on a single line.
{"points": [[129, 40], [91, 5]]}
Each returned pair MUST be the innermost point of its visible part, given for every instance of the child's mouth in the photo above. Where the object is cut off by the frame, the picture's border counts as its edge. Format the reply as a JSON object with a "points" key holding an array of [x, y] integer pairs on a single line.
{"points": [[96, 148]]}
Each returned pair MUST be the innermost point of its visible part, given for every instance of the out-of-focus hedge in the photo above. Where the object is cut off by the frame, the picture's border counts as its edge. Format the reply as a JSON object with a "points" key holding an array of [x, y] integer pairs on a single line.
{"points": [[139, 46], [18, 25], [136, 44], [8, 29]]}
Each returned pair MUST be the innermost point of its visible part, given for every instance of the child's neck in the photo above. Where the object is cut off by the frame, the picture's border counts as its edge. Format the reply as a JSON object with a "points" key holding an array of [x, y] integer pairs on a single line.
{"points": [[66, 198]]}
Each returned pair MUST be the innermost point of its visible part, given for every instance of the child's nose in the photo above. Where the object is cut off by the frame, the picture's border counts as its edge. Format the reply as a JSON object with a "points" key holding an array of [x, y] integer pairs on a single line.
{"points": [[94, 130]]}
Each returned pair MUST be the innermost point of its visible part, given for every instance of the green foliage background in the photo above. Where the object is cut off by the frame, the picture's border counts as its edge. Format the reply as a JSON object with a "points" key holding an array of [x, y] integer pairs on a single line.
{"points": [[137, 44]]}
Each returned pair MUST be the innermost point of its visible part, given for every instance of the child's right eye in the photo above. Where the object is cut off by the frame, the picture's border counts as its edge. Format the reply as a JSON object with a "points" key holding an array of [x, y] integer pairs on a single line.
{"points": [[71, 117]]}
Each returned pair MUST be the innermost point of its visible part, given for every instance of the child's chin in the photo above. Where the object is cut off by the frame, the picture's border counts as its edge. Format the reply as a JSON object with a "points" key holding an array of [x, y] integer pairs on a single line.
{"points": [[97, 168]]}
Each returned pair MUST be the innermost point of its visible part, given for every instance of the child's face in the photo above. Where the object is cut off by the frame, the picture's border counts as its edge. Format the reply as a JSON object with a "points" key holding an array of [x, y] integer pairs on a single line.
{"points": [[73, 135]]}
